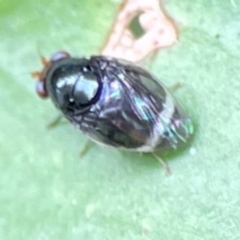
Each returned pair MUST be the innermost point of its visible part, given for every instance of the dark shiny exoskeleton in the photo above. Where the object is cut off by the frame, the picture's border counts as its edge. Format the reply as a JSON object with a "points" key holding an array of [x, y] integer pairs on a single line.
{"points": [[114, 102]]}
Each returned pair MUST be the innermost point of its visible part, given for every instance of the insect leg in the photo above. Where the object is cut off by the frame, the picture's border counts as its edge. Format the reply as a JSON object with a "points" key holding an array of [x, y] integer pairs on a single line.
{"points": [[164, 164], [174, 87], [55, 122], [86, 148]]}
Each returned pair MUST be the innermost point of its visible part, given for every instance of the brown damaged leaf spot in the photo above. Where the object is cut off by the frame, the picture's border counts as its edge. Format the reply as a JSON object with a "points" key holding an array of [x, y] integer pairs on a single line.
{"points": [[159, 31]]}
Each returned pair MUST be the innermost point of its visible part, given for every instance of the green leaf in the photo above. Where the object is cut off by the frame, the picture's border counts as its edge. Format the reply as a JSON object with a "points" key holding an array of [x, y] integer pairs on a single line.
{"points": [[49, 192]]}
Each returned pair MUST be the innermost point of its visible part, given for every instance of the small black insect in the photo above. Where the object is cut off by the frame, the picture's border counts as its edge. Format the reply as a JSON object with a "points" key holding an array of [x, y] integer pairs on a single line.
{"points": [[114, 102]]}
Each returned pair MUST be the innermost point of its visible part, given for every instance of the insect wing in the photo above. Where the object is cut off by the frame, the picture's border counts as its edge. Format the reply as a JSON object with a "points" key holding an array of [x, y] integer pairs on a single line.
{"points": [[130, 105]]}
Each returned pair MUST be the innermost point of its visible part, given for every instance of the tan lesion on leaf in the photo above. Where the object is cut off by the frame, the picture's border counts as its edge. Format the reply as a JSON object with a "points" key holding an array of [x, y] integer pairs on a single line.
{"points": [[159, 31]]}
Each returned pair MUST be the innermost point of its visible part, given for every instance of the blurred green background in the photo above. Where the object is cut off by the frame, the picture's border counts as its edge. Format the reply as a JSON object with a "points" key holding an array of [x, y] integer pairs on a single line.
{"points": [[48, 192]]}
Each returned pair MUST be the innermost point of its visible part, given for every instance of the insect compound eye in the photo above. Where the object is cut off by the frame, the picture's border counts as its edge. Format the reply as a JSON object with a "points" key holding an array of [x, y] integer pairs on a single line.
{"points": [[59, 56], [41, 89]]}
